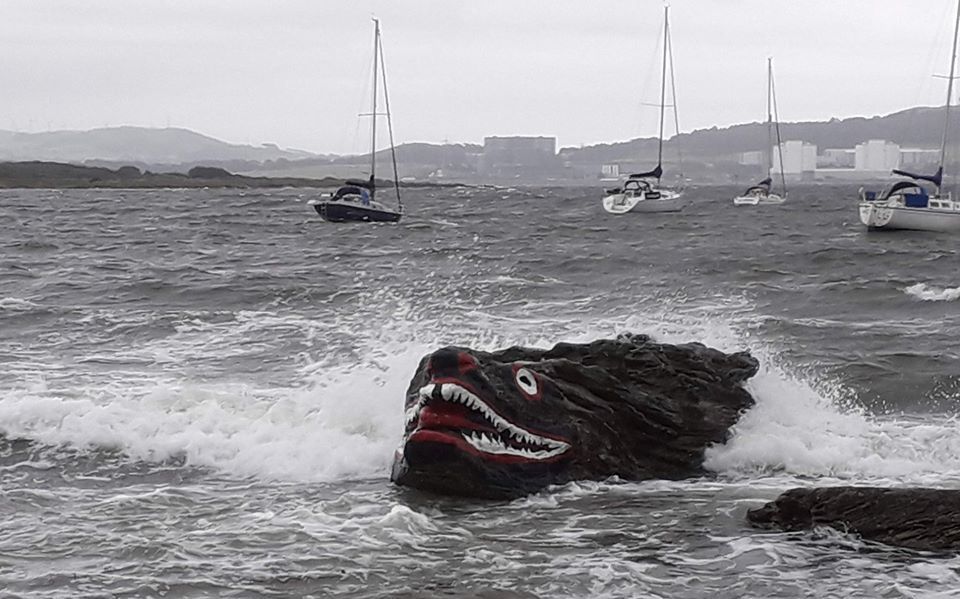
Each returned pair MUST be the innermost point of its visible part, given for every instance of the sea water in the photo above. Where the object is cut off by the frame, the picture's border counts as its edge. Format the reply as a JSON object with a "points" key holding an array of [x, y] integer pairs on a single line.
{"points": [[201, 391]]}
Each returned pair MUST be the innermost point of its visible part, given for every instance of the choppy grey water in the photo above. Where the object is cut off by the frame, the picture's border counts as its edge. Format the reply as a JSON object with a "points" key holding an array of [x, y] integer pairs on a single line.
{"points": [[201, 392]]}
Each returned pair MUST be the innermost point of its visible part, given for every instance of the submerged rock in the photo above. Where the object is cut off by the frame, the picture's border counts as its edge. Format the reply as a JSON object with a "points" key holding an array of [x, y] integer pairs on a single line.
{"points": [[916, 518], [508, 423]]}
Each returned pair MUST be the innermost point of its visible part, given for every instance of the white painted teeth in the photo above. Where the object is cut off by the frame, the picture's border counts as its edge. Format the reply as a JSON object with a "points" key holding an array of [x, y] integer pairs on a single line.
{"points": [[487, 444], [482, 441], [422, 396]]}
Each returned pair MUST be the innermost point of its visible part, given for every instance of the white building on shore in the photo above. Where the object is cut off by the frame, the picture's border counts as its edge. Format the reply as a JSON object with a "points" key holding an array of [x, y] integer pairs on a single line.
{"points": [[872, 159], [799, 159], [918, 158], [876, 157], [837, 158]]}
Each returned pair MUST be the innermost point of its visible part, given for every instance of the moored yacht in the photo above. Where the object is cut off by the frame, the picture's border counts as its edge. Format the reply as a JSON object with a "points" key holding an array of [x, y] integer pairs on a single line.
{"points": [[911, 205], [918, 203], [355, 200], [761, 193], [643, 192]]}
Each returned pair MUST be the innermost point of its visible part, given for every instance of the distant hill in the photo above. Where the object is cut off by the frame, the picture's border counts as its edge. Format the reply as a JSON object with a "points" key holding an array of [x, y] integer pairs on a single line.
{"points": [[134, 145], [915, 127], [708, 154], [415, 159]]}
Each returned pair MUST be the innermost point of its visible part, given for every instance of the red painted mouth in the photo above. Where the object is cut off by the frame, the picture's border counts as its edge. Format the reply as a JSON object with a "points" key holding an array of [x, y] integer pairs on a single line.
{"points": [[451, 413], [447, 415]]}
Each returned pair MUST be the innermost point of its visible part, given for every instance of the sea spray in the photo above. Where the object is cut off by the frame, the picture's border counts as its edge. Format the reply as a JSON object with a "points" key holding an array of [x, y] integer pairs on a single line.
{"points": [[932, 293]]}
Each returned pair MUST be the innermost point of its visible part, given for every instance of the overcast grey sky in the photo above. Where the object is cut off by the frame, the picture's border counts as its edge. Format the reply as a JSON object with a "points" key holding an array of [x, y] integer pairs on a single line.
{"points": [[295, 72]]}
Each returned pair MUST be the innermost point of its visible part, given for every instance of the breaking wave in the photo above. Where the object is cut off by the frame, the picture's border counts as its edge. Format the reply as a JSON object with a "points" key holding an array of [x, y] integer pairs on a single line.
{"points": [[931, 293], [339, 416]]}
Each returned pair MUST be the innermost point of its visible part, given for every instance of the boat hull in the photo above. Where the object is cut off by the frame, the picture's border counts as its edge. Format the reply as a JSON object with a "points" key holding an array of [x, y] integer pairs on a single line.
{"points": [[751, 200], [669, 201], [342, 212], [880, 216]]}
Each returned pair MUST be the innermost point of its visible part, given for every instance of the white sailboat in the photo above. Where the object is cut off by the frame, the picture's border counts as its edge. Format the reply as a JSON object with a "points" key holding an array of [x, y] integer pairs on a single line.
{"points": [[642, 192], [761, 193], [356, 200], [909, 204]]}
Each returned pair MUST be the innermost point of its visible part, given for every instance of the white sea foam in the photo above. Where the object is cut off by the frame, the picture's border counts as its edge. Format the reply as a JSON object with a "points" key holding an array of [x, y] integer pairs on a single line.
{"points": [[931, 293], [340, 422], [15, 304], [341, 415], [798, 430], [804, 427], [319, 434]]}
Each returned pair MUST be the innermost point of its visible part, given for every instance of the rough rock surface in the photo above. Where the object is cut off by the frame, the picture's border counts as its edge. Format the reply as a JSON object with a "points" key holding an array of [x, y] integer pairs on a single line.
{"points": [[916, 518], [511, 422]]}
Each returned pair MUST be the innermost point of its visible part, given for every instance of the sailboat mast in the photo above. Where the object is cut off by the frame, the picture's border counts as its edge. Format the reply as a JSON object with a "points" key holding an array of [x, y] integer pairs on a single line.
{"points": [[768, 152], [663, 85], [393, 147], [953, 64], [373, 126], [776, 123]]}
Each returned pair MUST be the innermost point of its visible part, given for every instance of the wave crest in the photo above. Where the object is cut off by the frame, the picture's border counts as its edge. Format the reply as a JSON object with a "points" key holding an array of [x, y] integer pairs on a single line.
{"points": [[931, 293]]}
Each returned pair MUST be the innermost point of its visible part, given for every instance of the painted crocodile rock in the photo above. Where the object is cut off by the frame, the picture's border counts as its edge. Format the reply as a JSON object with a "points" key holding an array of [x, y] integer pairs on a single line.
{"points": [[915, 518], [511, 422]]}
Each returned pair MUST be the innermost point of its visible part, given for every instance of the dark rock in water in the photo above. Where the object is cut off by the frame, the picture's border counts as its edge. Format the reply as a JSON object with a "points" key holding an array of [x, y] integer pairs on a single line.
{"points": [[504, 424], [925, 519]]}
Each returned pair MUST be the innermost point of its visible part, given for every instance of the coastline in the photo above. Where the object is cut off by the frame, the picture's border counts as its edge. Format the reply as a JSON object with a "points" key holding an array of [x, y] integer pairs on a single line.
{"points": [[58, 175]]}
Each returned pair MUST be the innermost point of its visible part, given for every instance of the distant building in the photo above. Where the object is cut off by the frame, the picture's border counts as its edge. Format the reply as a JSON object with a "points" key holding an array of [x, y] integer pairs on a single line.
{"points": [[610, 171], [873, 159], [519, 157], [799, 159], [753, 158], [837, 158], [877, 156], [912, 158]]}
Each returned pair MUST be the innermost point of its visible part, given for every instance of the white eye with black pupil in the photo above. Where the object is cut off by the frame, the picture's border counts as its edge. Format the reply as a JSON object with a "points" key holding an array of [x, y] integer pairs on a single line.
{"points": [[526, 381]]}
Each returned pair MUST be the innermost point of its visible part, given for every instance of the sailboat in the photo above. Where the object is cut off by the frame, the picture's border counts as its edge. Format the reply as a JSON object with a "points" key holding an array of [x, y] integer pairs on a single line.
{"points": [[356, 200], [761, 194], [908, 203], [642, 192]]}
